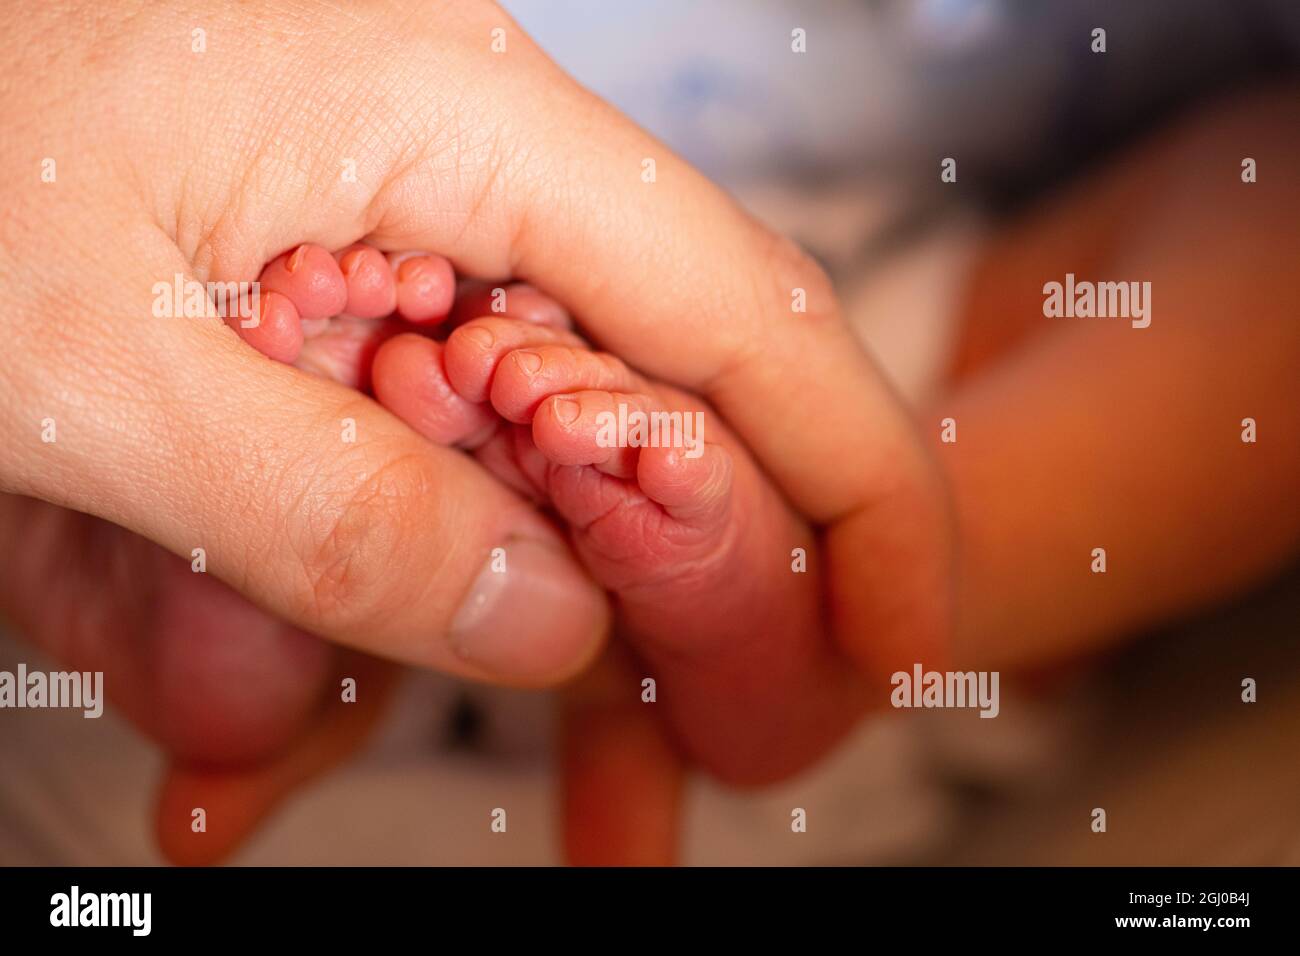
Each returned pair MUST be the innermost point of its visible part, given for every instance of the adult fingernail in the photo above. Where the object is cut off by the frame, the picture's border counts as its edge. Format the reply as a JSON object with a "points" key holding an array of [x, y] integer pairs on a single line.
{"points": [[530, 615]]}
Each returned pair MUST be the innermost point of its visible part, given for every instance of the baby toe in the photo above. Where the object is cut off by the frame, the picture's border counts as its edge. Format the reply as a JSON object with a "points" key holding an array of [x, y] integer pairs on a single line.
{"points": [[426, 286], [527, 377], [476, 349], [275, 330], [308, 277], [409, 381], [590, 427], [691, 479], [371, 284]]}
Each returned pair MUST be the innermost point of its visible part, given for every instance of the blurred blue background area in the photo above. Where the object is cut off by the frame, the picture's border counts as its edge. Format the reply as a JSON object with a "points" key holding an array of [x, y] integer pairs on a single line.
{"points": [[1010, 85]]}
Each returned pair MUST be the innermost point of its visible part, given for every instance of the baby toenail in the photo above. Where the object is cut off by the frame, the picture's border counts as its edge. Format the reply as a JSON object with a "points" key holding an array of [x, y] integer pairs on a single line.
{"points": [[480, 337], [350, 262], [295, 259], [530, 362], [566, 410], [410, 270]]}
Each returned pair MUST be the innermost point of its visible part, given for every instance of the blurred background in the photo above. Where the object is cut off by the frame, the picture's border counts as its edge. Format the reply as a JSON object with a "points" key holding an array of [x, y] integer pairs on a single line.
{"points": [[839, 148]]}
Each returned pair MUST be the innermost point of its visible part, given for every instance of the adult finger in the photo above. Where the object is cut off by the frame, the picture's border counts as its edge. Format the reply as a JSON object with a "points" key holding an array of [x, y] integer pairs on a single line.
{"points": [[191, 663], [621, 778], [235, 801]]}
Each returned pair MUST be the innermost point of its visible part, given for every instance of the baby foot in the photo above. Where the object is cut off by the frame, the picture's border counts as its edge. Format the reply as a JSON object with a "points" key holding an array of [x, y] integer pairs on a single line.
{"points": [[683, 529], [666, 511], [301, 291]]}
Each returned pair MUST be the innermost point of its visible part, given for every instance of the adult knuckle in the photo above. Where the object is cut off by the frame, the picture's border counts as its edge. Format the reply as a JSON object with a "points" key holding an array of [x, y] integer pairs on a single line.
{"points": [[360, 538], [792, 268]]}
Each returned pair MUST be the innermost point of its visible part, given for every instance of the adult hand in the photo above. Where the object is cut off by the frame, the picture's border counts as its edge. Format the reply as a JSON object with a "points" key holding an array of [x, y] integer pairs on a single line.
{"points": [[135, 154]]}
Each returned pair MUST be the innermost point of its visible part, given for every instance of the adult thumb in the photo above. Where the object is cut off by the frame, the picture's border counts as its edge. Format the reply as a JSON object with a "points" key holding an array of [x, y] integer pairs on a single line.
{"points": [[324, 509]]}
